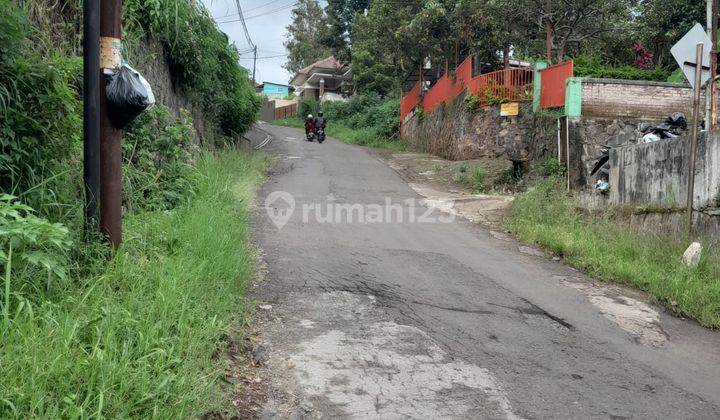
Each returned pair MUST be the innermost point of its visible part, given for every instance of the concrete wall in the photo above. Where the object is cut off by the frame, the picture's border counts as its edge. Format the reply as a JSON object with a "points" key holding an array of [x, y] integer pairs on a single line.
{"points": [[656, 174], [453, 132], [637, 100]]}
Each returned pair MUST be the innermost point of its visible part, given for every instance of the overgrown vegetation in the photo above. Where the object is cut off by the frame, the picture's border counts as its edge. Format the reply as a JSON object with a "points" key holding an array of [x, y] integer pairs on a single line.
{"points": [[385, 41], [84, 333], [475, 180], [606, 248], [593, 66], [364, 120], [200, 57], [134, 338]]}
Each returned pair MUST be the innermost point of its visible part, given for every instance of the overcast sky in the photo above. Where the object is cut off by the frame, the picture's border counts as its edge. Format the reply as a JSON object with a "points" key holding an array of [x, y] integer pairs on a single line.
{"points": [[266, 21]]}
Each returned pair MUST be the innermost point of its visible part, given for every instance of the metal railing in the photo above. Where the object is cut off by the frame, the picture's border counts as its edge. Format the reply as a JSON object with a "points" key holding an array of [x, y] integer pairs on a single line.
{"points": [[510, 85]]}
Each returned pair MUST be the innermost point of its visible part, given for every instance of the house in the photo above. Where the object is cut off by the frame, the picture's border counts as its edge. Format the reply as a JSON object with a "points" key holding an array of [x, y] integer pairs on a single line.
{"points": [[327, 79], [273, 90]]}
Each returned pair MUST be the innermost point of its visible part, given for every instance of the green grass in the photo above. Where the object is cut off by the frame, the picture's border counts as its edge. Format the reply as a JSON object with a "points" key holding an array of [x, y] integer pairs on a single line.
{"points": [[362, 137], [476, 180], [605, 248], [135, 338]]}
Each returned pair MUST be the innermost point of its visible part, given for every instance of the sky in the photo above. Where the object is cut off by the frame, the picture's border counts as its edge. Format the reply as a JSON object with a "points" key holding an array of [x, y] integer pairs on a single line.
{"points": [[266, 21]]}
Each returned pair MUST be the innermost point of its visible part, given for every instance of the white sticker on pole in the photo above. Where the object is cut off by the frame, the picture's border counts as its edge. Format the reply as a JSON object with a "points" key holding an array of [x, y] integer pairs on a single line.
{"points": [[684, 52], [110, 53]]}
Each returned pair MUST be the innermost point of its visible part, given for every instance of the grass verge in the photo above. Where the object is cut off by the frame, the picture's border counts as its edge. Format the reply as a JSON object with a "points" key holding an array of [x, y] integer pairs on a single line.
{"points": [[369, 137], [605, 248], [137, 339]]}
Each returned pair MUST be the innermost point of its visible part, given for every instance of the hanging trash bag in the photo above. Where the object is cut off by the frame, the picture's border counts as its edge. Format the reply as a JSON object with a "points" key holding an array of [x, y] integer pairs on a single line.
{"points": [[128, 95]]}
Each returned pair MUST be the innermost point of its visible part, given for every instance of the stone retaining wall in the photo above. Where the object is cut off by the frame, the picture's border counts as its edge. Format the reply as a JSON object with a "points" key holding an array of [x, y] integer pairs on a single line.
{"points": [[456, 133]]}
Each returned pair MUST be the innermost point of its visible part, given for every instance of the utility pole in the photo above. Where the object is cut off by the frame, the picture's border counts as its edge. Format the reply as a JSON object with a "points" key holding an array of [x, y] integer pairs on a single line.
{"points": [[110, 137], [549, 32], [254, 61], [694, 136], [712, 7], [91, 115]]}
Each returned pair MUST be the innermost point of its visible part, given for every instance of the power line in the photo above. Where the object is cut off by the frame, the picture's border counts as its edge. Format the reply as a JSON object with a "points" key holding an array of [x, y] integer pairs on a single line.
{"points": [[244, 26], [264, 58], [279, 9], [247, 10]]}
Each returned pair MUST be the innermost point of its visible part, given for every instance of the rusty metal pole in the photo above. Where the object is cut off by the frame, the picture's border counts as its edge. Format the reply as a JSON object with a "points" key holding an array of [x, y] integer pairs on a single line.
{"points": [[549, 32], [110, 153], [91, 115], [693, 139], [713, 66]]}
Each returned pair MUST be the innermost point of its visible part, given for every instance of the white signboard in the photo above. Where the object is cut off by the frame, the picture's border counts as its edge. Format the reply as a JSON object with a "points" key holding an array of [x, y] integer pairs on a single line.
{"points": [[685, 53]]}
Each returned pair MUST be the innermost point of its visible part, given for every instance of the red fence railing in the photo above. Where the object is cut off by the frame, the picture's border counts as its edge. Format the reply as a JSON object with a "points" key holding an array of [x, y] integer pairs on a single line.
{"points": [[511, 85], [410, 101], [504, 85], [553, 79]]}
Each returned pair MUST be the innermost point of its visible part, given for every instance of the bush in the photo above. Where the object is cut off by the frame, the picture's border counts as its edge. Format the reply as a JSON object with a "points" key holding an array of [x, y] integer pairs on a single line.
{"points": [[157, 160], [550, 167], [40, 120], [591, 66], [201, 60]]}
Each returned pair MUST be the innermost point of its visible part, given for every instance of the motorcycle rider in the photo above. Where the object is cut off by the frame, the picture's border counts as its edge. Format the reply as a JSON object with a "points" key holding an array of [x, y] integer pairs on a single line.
{"points": [[320, 121], [309, 125]]}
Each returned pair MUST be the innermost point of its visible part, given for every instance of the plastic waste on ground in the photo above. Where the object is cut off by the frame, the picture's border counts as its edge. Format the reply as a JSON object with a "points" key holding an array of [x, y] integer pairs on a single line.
{"points": [[650, 138], [602, 186], [128, 96], [673, 126]]}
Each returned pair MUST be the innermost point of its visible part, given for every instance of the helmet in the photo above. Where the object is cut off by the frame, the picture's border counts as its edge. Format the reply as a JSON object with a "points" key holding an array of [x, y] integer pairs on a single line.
{"points": [[320, 114], [309, 116]]}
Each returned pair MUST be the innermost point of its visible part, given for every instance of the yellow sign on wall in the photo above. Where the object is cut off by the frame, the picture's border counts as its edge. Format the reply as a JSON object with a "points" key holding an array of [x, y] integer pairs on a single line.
{"points": [[510, 109]]}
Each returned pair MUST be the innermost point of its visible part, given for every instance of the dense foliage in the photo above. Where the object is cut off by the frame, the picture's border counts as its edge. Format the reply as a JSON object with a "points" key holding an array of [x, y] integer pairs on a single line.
{"points": [[81, 337], [304, 43], [200, 57], [365, 120], [386, 41], [589, 66]]}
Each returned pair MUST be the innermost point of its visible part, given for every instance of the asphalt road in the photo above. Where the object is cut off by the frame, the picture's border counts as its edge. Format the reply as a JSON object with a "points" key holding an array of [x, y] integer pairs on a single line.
{"points": [[427, 317]]}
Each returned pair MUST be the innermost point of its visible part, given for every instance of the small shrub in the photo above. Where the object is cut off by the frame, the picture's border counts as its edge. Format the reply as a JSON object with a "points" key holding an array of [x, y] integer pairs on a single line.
{"points": [[592, 66], [28, 244], [157, 160], [550, 167], [476, 180], [472, 102]]}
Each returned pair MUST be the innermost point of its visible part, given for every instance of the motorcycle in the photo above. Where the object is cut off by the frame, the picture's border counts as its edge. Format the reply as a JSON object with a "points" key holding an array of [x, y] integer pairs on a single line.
{"points": [[310, 136], [320, 135]]}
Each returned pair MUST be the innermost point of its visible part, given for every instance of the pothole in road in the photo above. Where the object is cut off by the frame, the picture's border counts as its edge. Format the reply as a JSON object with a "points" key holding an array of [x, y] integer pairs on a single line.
{"points": [[636, 318], [387, 370]]}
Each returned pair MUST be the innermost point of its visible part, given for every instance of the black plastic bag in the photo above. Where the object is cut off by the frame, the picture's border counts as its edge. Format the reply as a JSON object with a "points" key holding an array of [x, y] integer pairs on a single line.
{"points": [[128, 95], [677, 120]]}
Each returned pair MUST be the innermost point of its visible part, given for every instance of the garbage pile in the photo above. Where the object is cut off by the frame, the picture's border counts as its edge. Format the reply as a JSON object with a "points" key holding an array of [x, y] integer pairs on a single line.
{"points": [[673, 127]]}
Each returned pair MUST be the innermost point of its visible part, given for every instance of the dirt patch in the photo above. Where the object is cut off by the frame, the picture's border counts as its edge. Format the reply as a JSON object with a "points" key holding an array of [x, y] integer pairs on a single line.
{"points": [[453, 186]]}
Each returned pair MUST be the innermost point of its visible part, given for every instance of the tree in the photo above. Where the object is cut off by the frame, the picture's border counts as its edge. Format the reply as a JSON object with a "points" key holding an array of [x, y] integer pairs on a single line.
{"points": [[303, 43], [661, 23], [337, 32], [577, 24], [383, 50]]}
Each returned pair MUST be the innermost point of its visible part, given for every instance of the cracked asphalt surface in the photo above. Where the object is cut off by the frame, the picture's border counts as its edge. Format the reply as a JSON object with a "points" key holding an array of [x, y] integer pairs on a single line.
{"points": [[449, 320]]}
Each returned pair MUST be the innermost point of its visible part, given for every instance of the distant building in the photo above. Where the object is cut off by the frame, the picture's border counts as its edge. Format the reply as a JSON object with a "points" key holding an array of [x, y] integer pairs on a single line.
{"points": [[327, 79], [273, 90]]}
